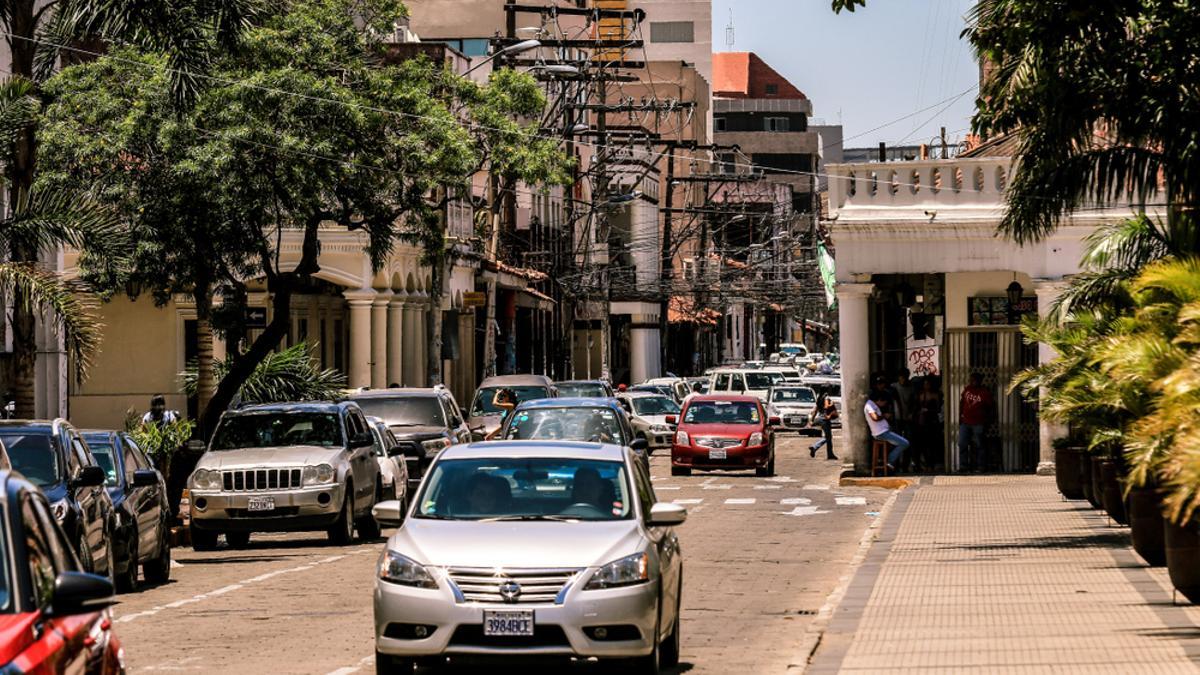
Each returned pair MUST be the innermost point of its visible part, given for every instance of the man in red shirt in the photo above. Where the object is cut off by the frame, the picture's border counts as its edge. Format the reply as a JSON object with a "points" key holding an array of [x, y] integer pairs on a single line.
{"points": [[975, 411]]}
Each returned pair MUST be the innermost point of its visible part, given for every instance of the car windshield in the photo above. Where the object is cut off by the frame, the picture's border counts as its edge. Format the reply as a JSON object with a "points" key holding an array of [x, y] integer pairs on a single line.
{"points": [[483, 398], [103, 451], [277, 429], [721, 412], [537, 488], [582, 389], [594, 425], [804, 395], [655, 405], [34, 457], [404, 411]]}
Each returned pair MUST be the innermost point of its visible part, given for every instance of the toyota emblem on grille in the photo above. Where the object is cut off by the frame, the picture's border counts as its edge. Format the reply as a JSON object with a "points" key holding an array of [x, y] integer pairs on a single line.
{"points": [[510, 591]]}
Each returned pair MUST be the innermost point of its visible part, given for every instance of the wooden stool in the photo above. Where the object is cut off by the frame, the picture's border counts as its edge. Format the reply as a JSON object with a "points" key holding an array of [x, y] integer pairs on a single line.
{"points": [[879, 456]]}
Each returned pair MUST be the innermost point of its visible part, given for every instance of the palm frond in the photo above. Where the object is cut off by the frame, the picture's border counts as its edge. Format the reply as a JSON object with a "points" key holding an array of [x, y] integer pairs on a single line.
{"points": [[47, 218], [18, 108], [68, 307], [290, 374]]}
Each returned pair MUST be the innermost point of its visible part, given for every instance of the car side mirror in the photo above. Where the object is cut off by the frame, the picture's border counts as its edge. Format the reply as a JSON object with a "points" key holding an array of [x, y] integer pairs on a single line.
{"points": [[414, 451], [664, 514], [388, 514], [90, 476], [362, 440], [774, 421], [395, 451], [145, 478], [671, 419], [639, 445], [80, 593]]}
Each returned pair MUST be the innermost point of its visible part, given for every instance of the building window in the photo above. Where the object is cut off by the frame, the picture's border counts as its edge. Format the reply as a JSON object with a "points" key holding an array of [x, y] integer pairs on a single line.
{"points": [[728, 162], [776, 123], [672, 31], [719, 123], [772, 89]]}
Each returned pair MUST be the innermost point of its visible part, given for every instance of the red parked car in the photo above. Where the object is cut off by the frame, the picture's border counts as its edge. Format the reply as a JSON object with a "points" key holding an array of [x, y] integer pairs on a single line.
{"points": [[723, 432], [54, 618]]}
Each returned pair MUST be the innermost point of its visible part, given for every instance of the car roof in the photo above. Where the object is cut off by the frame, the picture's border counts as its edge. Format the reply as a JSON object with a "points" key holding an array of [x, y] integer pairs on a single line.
{"points": [[98, 432], [515, 380], [641, 394], [306, 406], [399, 392], [701, 398], [580, 382], [564, 449], [569, 402]]}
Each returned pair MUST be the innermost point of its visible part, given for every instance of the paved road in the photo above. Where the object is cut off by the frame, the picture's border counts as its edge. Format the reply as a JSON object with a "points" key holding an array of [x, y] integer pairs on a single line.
{"points": [[761, 555]]}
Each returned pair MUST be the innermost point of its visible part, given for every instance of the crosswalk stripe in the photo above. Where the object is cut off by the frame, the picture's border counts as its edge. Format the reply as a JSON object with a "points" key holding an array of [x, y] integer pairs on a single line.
{"points": [[688, 501], [816, 487], [740, 501], [851, 501], [793, 501], [768, 487]]}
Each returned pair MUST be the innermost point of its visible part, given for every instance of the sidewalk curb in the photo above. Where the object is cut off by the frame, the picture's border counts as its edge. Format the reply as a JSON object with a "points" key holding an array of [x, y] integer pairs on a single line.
{"points": [[816, 628]]}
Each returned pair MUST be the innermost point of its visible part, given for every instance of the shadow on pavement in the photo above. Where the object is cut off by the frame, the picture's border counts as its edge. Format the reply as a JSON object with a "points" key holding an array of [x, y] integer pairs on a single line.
{"points": [[1098, 540]]}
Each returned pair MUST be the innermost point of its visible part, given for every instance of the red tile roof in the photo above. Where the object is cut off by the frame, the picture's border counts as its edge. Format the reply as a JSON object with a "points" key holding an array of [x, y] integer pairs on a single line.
{"points": [[745, 75]]}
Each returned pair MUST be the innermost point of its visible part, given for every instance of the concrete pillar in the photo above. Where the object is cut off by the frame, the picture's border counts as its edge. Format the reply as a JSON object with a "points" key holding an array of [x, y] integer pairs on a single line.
{"points": [[411, 357], [395, 337], [359, 367], [313, 335], [854, 345], [331, 310], [379, 330], [1048, 291], [644, 354], [421, 340]]}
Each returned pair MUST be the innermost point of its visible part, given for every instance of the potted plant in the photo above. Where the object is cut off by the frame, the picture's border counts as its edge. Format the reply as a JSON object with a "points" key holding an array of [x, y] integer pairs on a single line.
{"points": [[1112, 476], [1068, 467], [163, 443]]}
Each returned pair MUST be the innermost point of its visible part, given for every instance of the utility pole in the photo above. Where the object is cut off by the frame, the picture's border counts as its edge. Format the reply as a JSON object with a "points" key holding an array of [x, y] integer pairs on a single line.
{"points": [[493, 253], [666, 267]]}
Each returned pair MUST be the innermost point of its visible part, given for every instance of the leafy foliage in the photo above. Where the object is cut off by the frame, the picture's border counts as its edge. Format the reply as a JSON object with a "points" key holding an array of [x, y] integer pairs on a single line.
{"points": [[290, 374], [160, 442]]}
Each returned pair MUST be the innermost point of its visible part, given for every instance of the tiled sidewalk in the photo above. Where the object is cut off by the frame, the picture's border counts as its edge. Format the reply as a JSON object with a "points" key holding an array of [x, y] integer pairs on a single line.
{"points": [[1002, 575]]}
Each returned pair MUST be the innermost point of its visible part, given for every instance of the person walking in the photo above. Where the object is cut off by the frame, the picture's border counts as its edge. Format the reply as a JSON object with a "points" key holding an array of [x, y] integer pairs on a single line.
{"points": [[158, 414], [974, 413], [881, 430], [824, 416]]}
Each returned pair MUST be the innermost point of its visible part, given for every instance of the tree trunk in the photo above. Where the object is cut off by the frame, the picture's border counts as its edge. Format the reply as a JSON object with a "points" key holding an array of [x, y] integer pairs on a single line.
{"points": [[206, 383], [433, 327]]}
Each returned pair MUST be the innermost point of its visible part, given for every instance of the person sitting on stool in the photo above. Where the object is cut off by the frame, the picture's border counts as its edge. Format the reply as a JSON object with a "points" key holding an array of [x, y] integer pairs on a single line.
{"points": [[881, 431]]}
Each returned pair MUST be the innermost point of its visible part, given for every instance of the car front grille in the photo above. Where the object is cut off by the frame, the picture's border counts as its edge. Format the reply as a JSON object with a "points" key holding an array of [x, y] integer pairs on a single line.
{"points": [[536, 585], [709, 442], [547, 635], [249, 480]]}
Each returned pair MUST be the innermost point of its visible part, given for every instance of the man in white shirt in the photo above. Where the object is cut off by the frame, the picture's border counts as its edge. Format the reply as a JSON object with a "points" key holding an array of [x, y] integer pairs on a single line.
{"points": [[881, 431], [159, 414]]}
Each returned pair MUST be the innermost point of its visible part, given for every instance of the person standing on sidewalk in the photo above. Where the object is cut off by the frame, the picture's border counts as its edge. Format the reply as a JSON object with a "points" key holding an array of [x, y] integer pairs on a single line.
{"points": [[929, 424], [975, 409], [824, 416], [904, 408], [881, 431]]}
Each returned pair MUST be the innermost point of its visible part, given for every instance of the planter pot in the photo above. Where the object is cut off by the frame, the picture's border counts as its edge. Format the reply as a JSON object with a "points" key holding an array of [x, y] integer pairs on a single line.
{"points": [[1114, 501], [1146, 525], [1183, 559], [1095, 490], [1068, 472], [1085, 477]]}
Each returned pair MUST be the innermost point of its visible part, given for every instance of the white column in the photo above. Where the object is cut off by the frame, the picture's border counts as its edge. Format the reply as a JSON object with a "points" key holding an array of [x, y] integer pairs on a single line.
{"points": [[314, 337], [331, 310], [411, 357], [359, 367], [644, 354], [1047, 291], [379, 335], [420, 317], [854, 345], [395, 338]]}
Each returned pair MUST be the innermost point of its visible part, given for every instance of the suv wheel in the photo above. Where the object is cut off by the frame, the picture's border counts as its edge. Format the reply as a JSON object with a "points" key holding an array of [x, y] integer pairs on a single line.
{"points": [[158, 570], [342, 531], [367, 526], [202, 540], [127, 581]]}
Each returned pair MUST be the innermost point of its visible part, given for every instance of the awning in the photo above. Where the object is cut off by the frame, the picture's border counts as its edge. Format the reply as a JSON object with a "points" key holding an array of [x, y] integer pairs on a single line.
{"points": [[682, 309]]}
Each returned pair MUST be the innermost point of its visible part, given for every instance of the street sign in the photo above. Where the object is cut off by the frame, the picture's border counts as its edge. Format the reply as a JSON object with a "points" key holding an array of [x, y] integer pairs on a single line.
{"points": [[474, 299], [256, 317]]}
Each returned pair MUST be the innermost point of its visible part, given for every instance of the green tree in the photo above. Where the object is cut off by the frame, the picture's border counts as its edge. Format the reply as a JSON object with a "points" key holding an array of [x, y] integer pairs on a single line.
{"points": [[290, 374]]}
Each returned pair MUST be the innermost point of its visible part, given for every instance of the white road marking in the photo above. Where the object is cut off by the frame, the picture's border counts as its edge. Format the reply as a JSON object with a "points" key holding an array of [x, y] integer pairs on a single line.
{"points": [[740, 501], [782, 479], [803, 511], [185, 663], [667, 487], [793, 501], [816, 487], [200, 597], [851, 501], [768, 487], [355, 668], [715, 487], [688, 501]]}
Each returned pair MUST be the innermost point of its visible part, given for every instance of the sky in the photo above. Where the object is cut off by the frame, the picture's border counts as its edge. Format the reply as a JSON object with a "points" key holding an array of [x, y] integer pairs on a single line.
{"points": [[865, 69]]}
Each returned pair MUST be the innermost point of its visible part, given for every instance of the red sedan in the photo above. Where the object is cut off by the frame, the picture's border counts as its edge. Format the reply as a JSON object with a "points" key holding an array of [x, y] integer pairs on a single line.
{"points": [[53, 617], [723, 432]]}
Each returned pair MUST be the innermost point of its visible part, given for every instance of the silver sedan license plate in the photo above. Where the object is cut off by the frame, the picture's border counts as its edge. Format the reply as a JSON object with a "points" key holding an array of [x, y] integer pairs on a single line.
{"points": [[717, 453], [508, 622], [260, 504]]}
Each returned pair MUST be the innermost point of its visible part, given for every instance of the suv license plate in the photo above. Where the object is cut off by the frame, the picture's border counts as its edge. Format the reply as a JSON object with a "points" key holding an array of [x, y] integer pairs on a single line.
{"points": [[260, 504], [508, 622], [717, 453]]}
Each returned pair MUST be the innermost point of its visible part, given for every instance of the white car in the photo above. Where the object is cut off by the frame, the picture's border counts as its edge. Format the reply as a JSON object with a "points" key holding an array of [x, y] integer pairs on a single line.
{"points": [[795, 406], [648, 415], [745, 381], [389, 454], [531, 549]]}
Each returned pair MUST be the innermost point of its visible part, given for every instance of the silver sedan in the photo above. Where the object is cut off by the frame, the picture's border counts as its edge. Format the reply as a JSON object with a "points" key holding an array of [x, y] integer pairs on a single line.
{"points": [[531, 548]]}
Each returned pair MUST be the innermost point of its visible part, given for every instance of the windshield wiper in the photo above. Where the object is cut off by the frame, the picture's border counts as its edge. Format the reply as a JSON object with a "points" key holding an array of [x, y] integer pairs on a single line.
{"points": [[557, 519]]}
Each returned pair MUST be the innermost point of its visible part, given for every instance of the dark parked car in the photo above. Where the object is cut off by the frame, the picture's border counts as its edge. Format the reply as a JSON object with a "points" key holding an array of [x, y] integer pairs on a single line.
{"points": [[582, 388], [53, 456], [424, 421], [139, 496], [54, 618]]}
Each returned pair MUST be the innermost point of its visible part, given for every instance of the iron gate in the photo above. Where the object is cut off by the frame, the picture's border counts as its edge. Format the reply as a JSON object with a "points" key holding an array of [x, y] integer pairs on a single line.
{"points": [[997, 353]]}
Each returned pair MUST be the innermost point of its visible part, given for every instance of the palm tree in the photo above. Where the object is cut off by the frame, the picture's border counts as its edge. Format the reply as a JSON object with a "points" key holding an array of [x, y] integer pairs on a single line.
{"points": [[40, 35], [290, 374]]}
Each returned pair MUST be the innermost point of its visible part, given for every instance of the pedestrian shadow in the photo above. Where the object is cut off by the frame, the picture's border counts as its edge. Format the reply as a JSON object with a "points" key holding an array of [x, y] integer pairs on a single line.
{"points": [[1094, 540]]}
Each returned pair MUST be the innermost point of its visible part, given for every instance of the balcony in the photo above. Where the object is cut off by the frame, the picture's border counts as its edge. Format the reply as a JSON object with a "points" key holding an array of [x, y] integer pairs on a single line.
{"points": [[970, 188]]}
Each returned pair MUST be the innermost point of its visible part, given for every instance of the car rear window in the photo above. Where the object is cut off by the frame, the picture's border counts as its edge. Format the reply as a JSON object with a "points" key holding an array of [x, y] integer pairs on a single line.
{"points": [[582, 389], [483, 398], [404, 411], [593, 425], [722, 412], [793, 396], [103, 452], [34, 457], [272, 430]]}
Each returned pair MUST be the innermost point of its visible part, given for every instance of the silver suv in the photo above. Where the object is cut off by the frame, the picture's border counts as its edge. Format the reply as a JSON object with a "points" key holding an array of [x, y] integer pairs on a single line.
{"points": [[286, 467], [531, 548]]}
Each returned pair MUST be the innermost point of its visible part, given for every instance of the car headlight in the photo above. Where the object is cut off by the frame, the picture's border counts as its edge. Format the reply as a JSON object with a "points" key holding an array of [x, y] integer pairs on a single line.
{"points": [[60, 508], [681, 438], [659, 428], [628, 571], [206, 479], [318, 475], [435, 445], [756, 438], [398, 569]]}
